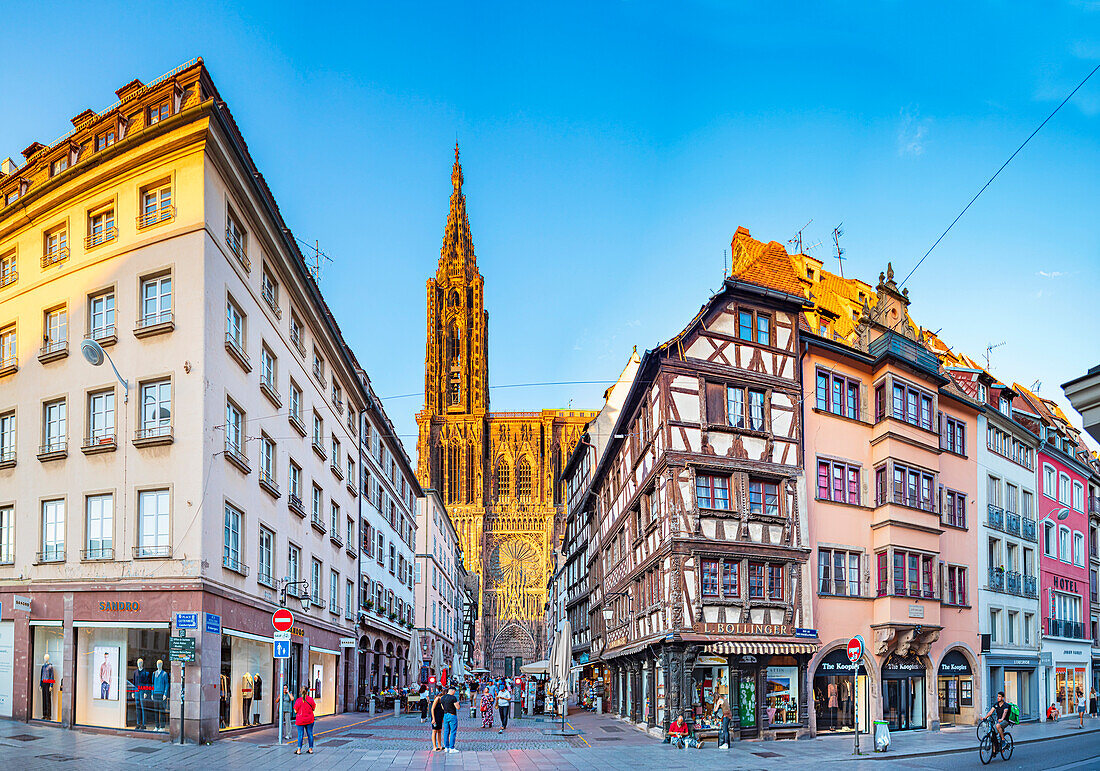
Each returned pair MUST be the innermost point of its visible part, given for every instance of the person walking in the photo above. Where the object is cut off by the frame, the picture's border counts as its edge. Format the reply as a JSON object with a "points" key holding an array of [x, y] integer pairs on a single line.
{"points": [[437, 722], [423, 703], [504, 702], [449, 703], [303, 718], [1082, 705], [486, 707], [723, 709]]}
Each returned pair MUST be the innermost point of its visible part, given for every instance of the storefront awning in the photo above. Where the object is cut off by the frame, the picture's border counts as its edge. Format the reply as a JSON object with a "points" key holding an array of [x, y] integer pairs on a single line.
{"points": [[761, 648]]}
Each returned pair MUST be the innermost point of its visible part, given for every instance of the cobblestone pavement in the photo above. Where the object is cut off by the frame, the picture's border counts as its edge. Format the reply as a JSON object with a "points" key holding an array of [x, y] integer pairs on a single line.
{"points": [[354, 741]]}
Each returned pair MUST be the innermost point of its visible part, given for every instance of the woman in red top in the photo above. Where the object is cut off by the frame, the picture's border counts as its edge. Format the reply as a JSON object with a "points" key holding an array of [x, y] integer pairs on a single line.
{"points": [[303, 718]]}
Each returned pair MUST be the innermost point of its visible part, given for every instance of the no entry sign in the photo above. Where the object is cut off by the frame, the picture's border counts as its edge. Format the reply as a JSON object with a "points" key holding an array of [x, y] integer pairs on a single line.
{"points": [[282, 620], [855, 649]]}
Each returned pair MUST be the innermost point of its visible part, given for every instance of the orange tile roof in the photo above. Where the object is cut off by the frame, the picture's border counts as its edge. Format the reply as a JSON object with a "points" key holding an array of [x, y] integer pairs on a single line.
{"points": [[767, 265]]}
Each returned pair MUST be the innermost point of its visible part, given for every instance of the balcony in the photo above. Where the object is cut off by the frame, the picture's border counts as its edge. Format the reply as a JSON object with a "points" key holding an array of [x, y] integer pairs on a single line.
{"points": [[1074, 630], [271, 392], [101, 441], [268, 483], [8, 365], [237, 247], [265, 579], [1029, 528], [53, 449], [53, 350], [231, 563], [235, 347], [106, 336], [1031, 587], [296, 421], [56, 257], [997, 579], [893, 344], [318, 523], [269, 297], [8, 277], [236, 456], [1014, 583], [7, 457], [154, 324], [97, 554], [294, 503], [319, 374], [149, 436], [1094, 505], [50, 554], [1012, 523], [996, 519], [155, 216], [152, 552], [317, 602], [101, 236]]}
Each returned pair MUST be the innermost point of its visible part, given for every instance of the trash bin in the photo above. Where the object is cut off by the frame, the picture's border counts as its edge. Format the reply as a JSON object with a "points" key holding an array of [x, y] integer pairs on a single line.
{"points": [[882, 736]]}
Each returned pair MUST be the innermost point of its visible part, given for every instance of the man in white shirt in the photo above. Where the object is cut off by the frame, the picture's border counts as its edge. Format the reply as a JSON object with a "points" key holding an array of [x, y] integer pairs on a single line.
{"points": [[504, 702]]}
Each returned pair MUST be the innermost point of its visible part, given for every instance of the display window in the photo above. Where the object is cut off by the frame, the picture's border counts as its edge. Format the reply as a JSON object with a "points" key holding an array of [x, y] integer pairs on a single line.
{"points": [[1068, 680], [781, 695], [322, 680], [955, 688], [246, 682], [711, 679], [47, 664], [903, 705], [834, 694], [123, 678]]}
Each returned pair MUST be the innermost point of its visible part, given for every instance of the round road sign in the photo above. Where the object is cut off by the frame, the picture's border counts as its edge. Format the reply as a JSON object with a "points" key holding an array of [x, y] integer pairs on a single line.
{"points": [[282, 620], [855, 649]]}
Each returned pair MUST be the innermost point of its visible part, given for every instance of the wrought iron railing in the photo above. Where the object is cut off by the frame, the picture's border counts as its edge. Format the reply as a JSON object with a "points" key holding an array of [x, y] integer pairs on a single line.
{"points": [[996, 578], [154, 216], [1075, 630], [101, 236], [996, 517]]}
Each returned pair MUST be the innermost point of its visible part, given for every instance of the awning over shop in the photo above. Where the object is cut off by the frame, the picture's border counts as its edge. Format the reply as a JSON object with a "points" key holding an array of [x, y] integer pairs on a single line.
{"points": [[761, 648], [536, 668]]}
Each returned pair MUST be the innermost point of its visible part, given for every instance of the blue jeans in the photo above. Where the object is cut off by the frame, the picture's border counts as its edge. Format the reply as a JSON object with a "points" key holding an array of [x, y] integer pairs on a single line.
{"points": [[450, 731], [724, 731], [304, 731]]}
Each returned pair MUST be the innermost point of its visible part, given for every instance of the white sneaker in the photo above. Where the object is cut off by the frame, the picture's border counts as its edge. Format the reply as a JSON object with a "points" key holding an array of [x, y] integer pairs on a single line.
{"points": [[453, 751]]}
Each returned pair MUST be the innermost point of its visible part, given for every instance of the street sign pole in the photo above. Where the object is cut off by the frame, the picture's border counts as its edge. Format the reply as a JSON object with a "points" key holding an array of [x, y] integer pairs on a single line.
{"points": [[855, 653], [183, 680], [282, 620]]}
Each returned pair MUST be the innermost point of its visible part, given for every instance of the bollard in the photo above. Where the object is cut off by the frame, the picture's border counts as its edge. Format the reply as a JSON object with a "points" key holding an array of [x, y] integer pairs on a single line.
{"points": [[372, 707]]}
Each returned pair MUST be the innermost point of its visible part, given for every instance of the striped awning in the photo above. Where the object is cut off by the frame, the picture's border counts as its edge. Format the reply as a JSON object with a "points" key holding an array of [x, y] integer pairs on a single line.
{"points": [[761, 648]]}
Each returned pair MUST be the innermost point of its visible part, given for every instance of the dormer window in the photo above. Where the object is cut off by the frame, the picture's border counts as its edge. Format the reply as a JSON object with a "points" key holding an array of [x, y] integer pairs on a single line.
{"points": [[810, 273], [104, 139], [59, 165], [1004, 406], [982, 396], [159, 112]]}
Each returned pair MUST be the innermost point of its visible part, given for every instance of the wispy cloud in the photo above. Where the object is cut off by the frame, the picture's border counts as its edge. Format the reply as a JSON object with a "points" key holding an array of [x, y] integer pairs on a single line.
{"points": [[1051, 273], [912, 133]]}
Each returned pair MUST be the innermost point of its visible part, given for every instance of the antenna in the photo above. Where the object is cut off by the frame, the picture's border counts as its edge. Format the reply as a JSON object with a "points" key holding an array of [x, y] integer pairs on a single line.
{"points": [[314, 265], [1035, 386], [796, 240], [838, 231], [989, 349], [726, 267]]}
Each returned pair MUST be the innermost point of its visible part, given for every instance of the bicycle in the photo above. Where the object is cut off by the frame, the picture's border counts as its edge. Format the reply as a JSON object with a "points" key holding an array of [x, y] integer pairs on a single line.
{"points": [[989, 748], [983, 726]]}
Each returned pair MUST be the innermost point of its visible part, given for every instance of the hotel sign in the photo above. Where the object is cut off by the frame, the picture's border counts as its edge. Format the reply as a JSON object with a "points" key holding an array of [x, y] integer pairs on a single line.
{"points": [[758, 630]]}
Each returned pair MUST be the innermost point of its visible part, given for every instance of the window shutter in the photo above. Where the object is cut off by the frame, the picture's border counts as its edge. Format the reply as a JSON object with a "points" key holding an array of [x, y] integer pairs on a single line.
{"points": [[940, 431], [939, 503], [939, 589], [716, 403], [864, 405], [865, 575]]}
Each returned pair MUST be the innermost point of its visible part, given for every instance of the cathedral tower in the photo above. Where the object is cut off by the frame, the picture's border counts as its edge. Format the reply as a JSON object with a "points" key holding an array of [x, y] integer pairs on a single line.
{"points": [[496, 473]]}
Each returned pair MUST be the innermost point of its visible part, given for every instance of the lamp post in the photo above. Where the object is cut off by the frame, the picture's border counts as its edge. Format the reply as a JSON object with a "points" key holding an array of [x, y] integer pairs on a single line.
{"points": [[94, 354]]}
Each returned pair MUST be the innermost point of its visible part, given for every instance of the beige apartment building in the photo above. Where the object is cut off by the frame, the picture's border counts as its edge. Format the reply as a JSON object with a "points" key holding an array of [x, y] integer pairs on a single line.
{"points": [[226, 463], [438, 558]]}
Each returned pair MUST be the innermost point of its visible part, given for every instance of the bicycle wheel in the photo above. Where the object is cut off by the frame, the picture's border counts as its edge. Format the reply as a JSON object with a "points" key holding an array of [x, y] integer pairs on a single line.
{"points": [[982, 727], [985, 749], [1006, 747]]}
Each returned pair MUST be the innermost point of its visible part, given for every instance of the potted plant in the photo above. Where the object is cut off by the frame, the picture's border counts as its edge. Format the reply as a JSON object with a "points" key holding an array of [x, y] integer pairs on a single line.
{"points": [[368, 604]]}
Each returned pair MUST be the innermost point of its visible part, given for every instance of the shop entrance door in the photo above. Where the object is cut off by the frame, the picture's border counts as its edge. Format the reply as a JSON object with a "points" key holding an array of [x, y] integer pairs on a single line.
{"points": [[895, 704], [747, 705]]}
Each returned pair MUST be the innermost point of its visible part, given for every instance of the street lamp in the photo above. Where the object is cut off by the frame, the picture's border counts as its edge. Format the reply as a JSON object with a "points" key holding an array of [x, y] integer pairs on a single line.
{"points": [[609, 614], [94, 354], [303, 597]]}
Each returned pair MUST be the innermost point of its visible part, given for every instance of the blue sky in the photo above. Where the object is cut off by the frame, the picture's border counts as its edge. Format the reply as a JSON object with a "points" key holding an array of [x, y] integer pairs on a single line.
{"points": [[611, 149]]}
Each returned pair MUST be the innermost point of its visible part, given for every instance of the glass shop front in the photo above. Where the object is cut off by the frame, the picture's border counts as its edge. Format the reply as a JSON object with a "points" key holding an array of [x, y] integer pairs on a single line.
{"points": [[246, 681], [834, 694], [903, 681], [123, 677]]}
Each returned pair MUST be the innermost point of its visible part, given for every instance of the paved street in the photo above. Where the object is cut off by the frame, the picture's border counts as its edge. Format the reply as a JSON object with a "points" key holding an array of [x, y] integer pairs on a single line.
{"points": [[354, 741]]}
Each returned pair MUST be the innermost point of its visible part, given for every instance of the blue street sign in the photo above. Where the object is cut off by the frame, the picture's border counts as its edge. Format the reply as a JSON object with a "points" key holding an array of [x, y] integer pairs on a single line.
{"points": [[213, 623], [187, 621], [798, 632], [282, 649]]}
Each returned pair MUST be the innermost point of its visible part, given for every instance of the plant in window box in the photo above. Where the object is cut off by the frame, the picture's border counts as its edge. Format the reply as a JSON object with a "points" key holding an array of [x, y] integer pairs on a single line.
{"points": [[368, 604], [393, 616]]}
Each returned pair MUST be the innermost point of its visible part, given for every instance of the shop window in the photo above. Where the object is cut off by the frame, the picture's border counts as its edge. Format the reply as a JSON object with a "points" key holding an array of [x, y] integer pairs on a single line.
{"points": [[245, 691], [781, 692], [711, 680], [123, 678], [48, 666]]}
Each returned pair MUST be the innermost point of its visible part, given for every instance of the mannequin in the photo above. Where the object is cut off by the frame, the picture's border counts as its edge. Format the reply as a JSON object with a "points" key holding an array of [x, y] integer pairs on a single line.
{"points": [[46, 681], [143, 692], [224, 702], [246, 698], [161, 681], [257, 697]]}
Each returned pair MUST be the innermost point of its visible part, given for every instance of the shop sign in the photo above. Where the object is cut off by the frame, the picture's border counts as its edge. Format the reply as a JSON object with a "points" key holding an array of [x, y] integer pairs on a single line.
{"points": [[584, 658], [916, 611], [810, 633], [213, 624], [21, 602], [181, 649], [907, 667], [347, 642], [615, 639], [761, 630], [1024, 663], [184, 620], [954, 663], [710, 661], [131, 606], [835, 661], [1046, 658], [748, 659], [297, 631]]}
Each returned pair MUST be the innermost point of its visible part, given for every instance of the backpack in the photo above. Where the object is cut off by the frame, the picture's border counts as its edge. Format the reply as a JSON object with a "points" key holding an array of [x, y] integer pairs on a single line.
{"points": [[1013, 714]]}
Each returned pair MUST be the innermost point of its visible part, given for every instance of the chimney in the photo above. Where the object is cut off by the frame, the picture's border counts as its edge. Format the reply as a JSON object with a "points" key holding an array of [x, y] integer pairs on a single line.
{"points": [[8, 167]]}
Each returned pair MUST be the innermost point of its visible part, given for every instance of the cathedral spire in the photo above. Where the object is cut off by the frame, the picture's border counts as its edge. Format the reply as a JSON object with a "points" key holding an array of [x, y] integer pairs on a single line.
{"points": [[456, 258]]}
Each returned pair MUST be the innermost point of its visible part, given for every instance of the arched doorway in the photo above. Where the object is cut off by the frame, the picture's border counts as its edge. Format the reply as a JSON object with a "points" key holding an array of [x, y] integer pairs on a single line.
{"points": [[512, 647], [363, 653], [904, 692], [956, 686]]}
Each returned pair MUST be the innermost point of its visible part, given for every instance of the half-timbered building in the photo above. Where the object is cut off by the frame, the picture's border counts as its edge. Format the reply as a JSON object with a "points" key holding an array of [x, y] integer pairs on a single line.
{"points": [[698, 544]]}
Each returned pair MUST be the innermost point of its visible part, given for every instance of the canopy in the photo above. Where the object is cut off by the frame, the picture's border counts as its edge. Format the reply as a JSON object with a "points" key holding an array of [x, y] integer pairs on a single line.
{"points": [[413, 660], [561, 661], [536, 667], [458, 673]]}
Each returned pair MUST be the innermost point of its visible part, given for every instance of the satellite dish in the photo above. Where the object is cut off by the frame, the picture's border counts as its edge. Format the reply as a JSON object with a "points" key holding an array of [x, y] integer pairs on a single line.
{"points": [[93, 352]]}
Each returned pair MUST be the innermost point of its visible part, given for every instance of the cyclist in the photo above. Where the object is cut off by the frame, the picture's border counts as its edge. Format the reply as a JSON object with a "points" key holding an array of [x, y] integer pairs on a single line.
{"points": [[1000, 712]]}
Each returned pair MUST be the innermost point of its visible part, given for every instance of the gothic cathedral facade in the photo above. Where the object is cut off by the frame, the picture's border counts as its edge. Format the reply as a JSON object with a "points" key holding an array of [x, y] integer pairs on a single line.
{"points": [[497, 473]]}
